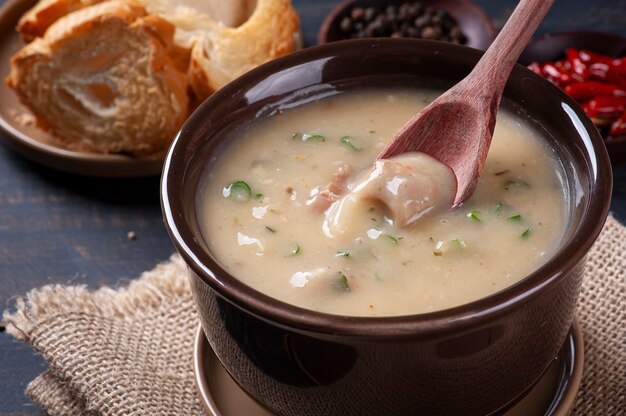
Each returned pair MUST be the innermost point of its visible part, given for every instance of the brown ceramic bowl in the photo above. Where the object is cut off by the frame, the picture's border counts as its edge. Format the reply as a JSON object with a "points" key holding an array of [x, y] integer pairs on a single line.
{"points": [[472, 20], [473, 359], [552, 46]]}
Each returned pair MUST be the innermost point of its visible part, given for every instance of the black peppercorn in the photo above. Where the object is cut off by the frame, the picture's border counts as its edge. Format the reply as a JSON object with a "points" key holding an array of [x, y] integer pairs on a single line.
{"points": [[412, 32], [370, 14], [429, 32], [421, 21], [357, 13], [409, 19], [346, 24]]}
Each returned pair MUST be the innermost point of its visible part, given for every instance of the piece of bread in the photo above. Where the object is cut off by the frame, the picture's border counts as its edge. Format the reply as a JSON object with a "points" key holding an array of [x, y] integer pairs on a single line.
{"points": [[36, 21], [225, 38], [106, 78], [231, 13], [133, 100], [220, 53]]}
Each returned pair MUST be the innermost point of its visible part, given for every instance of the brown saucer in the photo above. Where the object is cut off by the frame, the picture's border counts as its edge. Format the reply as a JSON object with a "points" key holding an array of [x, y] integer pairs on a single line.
{"points": [[553, 395], [19, 132]]}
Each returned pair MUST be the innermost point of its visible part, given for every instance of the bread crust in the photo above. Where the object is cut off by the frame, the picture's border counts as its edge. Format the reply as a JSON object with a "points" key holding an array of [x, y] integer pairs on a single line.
{"points": [[37, 20], [124, 97], [223, 53]]}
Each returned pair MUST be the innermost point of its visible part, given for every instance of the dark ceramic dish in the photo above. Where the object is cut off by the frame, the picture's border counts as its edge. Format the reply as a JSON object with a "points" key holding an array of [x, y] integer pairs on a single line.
{"points": [[472, 20], [552, 46], [471, 360]]}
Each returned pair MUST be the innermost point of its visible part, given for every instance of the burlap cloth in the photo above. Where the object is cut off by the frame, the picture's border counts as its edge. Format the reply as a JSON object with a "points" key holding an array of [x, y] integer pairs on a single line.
{"points": [[129, 351]]}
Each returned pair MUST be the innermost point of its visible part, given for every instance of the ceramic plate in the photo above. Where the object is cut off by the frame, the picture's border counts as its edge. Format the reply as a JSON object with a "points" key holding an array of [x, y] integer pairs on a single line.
{"points": [[18, 131]]}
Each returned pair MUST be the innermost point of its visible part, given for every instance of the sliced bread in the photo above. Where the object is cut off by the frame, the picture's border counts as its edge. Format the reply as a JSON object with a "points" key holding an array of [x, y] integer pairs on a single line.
{"points": [[106, 78]]}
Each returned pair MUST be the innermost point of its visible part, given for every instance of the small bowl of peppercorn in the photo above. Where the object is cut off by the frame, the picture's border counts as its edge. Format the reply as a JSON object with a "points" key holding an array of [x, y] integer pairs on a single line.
{"points": [[455, 21], [591, 68]]}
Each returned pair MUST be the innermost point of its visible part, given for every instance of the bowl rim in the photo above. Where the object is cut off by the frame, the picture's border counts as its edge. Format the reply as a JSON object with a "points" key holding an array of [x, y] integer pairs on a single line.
{"points": [[331, 19], [386, 327]]}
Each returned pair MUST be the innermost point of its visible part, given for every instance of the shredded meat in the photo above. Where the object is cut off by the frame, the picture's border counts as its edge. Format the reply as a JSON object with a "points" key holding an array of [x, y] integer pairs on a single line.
{"points": [[333, 191]]}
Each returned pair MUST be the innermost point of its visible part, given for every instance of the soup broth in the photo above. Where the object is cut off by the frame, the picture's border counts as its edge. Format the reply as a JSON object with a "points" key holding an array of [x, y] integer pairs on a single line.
{"points": [[259, 212]]}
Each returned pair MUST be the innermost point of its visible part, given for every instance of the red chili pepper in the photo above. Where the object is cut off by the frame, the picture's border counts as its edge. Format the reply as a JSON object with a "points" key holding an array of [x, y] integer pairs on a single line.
{"points": [[584, 91], [577, 64], [596, 81], [609, 73], [566, 68], [602, 67], [589, 57], [618, 64], [558, 74], [619, 126], [606, 107], [536, 68]]}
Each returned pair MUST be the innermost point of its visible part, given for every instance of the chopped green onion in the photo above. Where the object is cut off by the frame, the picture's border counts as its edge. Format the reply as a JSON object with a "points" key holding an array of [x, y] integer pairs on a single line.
{"points": [[393, 239], [270, 229], [313, 137], [499, 207], [238, 190], [379, 228], [442, 247], [343, 254], [258, 196], [502, 172], [526, 233], [515, 218], [295, 250], [293, 136], [474, 215], [348, 142], [340, 282], [517, 183], [457, 244]]}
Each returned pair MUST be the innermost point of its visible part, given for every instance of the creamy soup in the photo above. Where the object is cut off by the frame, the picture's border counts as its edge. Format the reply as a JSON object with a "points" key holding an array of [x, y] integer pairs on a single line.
{"points": [[265, 208]]}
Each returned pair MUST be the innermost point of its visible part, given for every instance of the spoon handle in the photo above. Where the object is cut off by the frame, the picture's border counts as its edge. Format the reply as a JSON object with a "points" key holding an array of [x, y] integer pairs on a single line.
{"points": [[497, 63], [457, 127]]}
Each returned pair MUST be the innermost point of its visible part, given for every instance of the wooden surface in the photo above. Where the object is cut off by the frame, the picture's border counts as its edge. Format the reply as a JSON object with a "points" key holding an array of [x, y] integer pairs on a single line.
{"points": [[60, 228]]}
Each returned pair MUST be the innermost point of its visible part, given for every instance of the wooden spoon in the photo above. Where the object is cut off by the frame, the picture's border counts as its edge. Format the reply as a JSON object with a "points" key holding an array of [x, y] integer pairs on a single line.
{"points": [[457, 127]]}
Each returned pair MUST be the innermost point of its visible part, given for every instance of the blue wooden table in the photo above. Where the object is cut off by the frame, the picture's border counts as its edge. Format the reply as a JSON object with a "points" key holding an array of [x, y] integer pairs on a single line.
{"points": [[56, 227]]}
